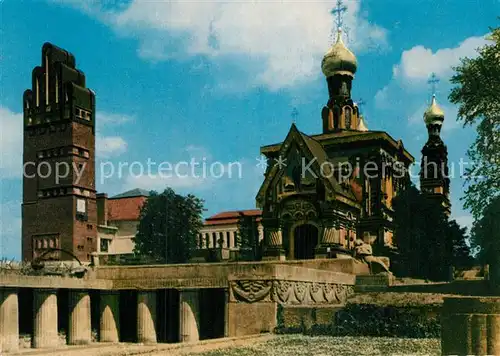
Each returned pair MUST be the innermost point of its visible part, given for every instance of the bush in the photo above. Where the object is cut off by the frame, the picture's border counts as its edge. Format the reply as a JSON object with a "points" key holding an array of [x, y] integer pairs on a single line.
{"points": [[369, 320], [373, 320]]}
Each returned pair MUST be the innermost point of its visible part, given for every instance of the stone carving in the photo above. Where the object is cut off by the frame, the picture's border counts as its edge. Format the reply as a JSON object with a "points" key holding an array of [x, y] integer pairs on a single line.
{"points": [[275, 237], [251, 291], [300, 289], [363, 252], [331, 235], [289, 292], [282, 292], [299, 209]]}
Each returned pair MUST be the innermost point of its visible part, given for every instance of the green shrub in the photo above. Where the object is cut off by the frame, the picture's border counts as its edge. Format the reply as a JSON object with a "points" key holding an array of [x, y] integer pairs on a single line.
{"points": [[373, 320], [369, 320]]}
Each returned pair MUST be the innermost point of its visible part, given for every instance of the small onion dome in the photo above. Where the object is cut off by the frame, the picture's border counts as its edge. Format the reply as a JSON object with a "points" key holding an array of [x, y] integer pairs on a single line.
{"points": [[339, 59], [362, 125], [434, 114]]}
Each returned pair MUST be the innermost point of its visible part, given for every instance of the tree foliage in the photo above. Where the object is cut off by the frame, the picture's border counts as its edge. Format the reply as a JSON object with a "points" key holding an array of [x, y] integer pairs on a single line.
{"points": [[477, 92], [169, 226], [486, 233], [428, 243]]}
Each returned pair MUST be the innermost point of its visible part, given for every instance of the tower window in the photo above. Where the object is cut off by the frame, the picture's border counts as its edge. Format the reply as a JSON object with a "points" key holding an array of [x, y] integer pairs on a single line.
{"points": [[104, 245]]}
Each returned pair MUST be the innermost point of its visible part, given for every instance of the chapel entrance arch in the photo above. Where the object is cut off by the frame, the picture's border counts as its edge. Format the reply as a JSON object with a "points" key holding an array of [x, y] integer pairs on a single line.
{"points": [[305, 241]]}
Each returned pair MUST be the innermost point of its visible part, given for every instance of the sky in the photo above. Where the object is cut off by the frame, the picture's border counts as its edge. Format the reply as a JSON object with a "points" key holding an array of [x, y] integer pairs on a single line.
{"points": [[178, 81]]}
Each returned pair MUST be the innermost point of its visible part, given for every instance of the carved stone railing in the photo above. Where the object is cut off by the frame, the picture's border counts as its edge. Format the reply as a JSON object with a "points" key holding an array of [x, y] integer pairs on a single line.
{"points": [[289, 292]]}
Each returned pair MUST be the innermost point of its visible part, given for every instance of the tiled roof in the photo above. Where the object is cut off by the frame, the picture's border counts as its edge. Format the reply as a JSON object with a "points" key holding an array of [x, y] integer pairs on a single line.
{"points": [[137, 192], [232, 217], [125, 208]]}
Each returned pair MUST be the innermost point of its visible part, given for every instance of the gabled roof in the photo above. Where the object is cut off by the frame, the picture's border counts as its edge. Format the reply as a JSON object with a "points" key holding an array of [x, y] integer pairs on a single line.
{"points": [[235, 214], [137, 192], [348, 136], [125, 208], [311, 149]]}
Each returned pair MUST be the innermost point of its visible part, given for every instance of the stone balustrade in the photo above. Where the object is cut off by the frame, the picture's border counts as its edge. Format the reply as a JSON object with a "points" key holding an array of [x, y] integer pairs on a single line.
{"points": [[159, 303]]}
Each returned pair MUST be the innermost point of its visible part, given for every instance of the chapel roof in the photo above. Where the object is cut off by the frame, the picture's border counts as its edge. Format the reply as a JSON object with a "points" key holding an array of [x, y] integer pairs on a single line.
{"points": [[346, 136]]}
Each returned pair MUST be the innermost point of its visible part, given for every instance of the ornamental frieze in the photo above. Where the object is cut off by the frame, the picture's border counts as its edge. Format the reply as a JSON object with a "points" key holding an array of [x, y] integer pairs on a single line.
{"points": [[299, 209], [250, 291], [289, 292]]}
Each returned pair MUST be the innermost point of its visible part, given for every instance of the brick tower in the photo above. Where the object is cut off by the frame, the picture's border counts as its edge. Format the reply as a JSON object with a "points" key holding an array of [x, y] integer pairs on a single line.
{"points": [[59, 197]]}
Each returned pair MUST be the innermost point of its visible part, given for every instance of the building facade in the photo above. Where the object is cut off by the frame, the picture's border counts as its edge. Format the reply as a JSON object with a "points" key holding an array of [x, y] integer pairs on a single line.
{"points": [[322, 192], [118, 221], [220, 231], [59, 197]]}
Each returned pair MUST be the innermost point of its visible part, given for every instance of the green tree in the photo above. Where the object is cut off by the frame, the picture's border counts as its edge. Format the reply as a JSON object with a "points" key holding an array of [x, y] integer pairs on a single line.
{"points": [[248, 238], [461, 254], [428, 243], [168, 228], [477, 92], [486, 234]]}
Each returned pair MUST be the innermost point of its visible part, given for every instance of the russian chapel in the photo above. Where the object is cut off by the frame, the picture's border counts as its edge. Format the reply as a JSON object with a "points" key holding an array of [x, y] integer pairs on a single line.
{"points": [[336, 186]]}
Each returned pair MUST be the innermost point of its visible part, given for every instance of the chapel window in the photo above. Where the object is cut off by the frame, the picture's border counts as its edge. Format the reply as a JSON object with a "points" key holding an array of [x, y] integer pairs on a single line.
{"points": [[348, 114]]}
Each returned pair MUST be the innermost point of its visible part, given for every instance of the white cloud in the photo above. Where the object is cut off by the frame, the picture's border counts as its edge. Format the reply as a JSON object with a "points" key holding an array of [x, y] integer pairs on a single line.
{"points": [[450, 121], [408, 93], [11, 143], [11, 140], [110, 146], [105, 119], [418, 62], [279, 44], [159, 183], [411, 74]]}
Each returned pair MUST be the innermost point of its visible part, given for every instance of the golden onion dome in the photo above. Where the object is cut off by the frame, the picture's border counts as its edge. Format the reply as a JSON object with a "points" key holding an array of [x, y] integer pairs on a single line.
{"points": [[339, 59], [434, 114]]}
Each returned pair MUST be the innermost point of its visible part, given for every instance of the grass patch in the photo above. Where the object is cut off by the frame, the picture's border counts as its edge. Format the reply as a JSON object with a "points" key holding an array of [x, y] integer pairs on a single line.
{"points": [[293, 345]]}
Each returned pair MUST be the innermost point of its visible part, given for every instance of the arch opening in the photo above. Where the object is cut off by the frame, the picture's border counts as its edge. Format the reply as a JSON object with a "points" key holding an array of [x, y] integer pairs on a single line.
{"points": [[305, 241]]}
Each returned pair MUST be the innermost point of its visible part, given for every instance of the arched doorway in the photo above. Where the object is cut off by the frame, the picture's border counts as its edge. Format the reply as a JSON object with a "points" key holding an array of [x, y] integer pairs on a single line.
{"points": [[305, 241]]}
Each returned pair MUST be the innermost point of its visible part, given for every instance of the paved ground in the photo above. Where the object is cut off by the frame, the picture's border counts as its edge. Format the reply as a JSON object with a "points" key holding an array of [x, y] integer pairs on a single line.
{"points": [[293, 345], [149, 350], [260, 345]]}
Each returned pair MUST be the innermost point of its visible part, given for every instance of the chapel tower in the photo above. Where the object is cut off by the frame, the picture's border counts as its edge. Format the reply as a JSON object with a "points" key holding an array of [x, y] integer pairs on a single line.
{"points": [[434, 178], [59, 206], [339, 66]]}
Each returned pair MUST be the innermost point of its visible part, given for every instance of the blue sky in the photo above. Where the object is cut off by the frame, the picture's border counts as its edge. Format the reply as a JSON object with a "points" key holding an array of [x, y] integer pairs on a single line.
{"points": [[183, 79]]}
